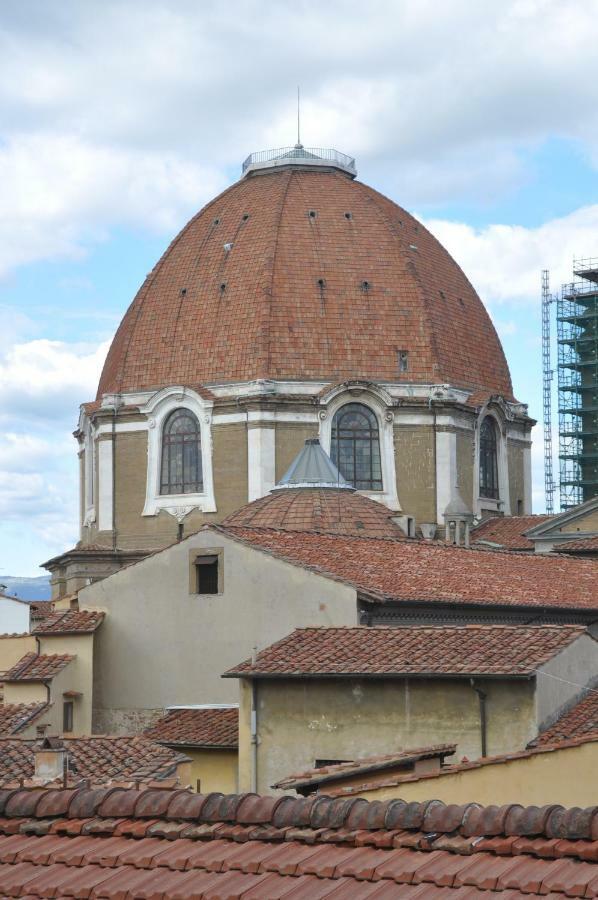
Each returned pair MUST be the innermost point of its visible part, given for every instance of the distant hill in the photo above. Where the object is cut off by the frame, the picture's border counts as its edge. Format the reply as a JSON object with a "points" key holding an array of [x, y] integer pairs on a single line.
{"points": [[27, 588]]}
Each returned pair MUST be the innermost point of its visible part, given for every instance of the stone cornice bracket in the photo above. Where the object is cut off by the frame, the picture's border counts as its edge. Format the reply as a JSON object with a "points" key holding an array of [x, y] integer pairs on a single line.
{"points": [[179, 512]]}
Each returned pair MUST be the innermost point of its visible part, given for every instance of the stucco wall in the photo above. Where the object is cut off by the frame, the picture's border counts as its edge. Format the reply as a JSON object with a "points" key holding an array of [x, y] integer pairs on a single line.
{"points": [[301, 721], [515, 451], [161, 646], [14, 616], [78, 676], [13, 648], [562, 679], [561, 776], [215, 770], [415, 464]]}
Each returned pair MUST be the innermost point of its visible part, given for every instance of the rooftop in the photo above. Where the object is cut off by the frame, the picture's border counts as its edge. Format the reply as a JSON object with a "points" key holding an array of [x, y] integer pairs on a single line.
{"points": [[100, 757], [42, 667], [198, 727], [166, 844], [70, 621], [507, 532], [580, 720], [14, 717], [323, 775], [298, 155], [386, 651], [408, 570]]}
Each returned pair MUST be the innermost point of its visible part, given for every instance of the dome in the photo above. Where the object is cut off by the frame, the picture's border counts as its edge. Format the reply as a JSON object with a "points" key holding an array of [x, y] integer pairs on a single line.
{"points": [[300, 272], [326, 510]]}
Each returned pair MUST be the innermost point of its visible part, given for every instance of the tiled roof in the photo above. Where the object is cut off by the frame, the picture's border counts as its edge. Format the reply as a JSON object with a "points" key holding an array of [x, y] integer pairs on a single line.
{"points": [[98, 757], [32, 667], [378, 258], [16, 716], [70, 621], [589, 543], [581, 719], [169, 844], [363, 766], [465, 765], [433, 571], [198, 727], [40, 609], [326, 510], [507, 531], [510, 650]]}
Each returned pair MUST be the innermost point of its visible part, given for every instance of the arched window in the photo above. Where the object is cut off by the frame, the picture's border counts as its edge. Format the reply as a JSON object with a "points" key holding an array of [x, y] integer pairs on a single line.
{"points": [[355, 446], [181, 471], [488, 460]]}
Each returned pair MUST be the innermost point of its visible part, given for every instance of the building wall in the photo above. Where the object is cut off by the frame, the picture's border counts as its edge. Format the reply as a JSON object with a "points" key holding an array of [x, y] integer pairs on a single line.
{"points": [[586, 523], [559, 679], [465, 464], [215, 770], [515, 451], [161, 645], [78, 676], [290, 437], [559, 776], [14, 616], [301, 721], [13, 647], [415, 462]]}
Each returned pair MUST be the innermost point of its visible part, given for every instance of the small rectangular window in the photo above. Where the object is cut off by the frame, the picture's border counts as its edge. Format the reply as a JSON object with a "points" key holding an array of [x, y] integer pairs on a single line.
{"points": [[67, 715], [403, 360], [206, 568]]}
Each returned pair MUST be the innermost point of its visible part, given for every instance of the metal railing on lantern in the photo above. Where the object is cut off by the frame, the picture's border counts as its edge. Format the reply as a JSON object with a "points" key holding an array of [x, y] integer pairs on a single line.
{"points": [[301, 156]]}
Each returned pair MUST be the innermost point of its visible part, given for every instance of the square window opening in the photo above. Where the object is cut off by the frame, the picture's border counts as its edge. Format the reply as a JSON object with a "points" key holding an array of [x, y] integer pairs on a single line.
{"points": [[206, 568]]}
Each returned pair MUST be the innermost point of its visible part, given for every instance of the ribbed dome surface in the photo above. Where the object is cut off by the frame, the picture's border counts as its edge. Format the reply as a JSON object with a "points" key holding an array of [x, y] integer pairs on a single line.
{"points": [[326, 279], [325, 510]]}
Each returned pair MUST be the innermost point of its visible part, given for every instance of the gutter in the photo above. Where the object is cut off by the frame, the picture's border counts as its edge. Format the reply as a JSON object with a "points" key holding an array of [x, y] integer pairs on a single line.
{"points": [[253, 727], [482, 696]]}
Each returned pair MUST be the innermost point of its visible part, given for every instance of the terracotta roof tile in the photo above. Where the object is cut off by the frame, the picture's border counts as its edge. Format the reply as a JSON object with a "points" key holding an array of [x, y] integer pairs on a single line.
{"points": [[580, 720], [98, 757], [71, 621], [326, 510], [34, 667], [583, 544], [425, 850], [510, 650], [272, 319], [40, 609], [362, 766], [14, 717], [433, 571], [508, 532], [217, 727]]}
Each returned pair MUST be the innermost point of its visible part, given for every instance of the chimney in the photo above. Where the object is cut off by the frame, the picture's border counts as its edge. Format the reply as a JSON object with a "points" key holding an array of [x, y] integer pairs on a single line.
{"points": [[50, 759]]}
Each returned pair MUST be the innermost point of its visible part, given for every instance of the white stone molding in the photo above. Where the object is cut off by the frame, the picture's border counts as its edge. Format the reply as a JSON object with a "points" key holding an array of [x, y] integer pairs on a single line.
{"points": [[261, 461], [379, 401], [503, 502], [446, 471], [105, 451], [157, 409], [89, 474]]}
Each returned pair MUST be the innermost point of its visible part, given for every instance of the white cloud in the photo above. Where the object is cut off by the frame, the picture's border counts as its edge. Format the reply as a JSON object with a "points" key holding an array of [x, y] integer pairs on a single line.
{"points": [[48, 379], [504, 262]]}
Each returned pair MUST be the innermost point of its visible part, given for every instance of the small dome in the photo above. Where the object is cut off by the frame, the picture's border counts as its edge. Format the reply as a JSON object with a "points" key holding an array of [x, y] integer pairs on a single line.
{"points": [[300, 272], [326, 510]]}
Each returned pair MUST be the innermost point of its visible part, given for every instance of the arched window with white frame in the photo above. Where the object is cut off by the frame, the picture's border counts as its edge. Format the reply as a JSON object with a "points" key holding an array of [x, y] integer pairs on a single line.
{"points": [[355, 446], [181, 464]]}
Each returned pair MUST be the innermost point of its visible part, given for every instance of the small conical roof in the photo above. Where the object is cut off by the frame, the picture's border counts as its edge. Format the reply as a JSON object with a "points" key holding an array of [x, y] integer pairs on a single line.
{"points": [[313, 468]]}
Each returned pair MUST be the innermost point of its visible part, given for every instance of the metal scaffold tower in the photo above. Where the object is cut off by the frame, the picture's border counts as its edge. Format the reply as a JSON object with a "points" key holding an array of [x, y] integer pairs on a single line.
{"points": [[547, 374], [577, 333]]}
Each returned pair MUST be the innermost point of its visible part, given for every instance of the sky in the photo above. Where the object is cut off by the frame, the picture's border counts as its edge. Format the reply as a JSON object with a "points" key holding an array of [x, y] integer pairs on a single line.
{"points": [[119, 120]]}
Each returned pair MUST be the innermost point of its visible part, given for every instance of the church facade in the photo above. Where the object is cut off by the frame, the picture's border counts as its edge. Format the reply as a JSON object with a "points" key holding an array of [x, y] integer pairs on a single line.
{"points": [[298, 304]]}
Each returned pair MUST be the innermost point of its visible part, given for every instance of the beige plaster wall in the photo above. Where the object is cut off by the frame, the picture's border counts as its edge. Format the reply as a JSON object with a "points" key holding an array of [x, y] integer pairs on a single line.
{"points": [[465, 463], [215, 770], [13, 648], [561, 776], [559, 680], [78, 676], [587, 522], [301, 721], [161, 645], [415, 462], [25, 692]]}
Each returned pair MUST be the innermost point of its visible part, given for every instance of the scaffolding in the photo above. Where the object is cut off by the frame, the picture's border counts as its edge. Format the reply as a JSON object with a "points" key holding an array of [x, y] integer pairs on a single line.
{"points": [[577, 334], [547, 376]]}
